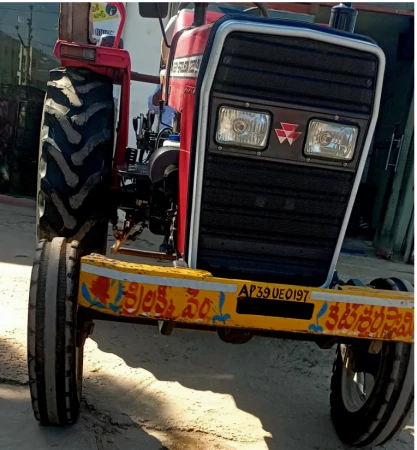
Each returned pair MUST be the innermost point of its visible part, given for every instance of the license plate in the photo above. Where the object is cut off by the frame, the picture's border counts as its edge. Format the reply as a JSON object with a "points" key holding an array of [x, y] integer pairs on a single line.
{"points": [[268, 292]]}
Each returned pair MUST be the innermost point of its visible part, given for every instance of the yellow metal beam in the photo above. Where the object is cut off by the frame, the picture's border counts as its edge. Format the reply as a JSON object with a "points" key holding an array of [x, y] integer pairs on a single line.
{"points": [[196, 297]]}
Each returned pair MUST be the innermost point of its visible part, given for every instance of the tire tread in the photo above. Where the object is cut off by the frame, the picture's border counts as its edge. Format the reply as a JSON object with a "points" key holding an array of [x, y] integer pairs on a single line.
{"points": [[67, 398], [75, 155]]}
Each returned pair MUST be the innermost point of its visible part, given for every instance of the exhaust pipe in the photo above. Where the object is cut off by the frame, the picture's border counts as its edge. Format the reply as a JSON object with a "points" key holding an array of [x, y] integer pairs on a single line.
{"points": [[343, 17]]}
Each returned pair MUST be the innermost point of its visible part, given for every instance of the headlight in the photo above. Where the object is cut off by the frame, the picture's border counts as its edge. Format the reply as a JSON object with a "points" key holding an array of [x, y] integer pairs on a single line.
{"points": [[242, 128], [331, 140]]}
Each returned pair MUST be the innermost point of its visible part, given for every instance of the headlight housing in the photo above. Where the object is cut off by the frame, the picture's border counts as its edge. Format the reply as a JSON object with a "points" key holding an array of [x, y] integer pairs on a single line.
{"points": [[243, 128], [331, 140]]}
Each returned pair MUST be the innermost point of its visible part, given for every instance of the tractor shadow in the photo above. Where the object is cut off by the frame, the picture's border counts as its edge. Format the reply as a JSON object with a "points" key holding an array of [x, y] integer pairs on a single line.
{"points": [[267, 390], [267, 394], [96, 428]]}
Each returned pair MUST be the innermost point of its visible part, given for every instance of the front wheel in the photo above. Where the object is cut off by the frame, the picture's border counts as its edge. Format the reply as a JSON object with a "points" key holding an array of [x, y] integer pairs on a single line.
{"points": [[372, 387], [55, 358]]}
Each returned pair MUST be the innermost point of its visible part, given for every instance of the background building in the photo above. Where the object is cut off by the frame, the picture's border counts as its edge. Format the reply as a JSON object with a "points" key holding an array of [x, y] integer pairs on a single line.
{"points": [[27, 35]]}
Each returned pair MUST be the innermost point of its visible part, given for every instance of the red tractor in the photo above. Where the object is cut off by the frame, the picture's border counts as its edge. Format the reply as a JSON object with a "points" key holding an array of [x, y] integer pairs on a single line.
{"points": [[250, 188]]}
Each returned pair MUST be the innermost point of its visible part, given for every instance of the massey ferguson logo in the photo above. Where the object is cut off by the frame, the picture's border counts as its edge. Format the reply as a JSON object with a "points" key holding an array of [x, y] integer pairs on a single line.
{"points": [[288, 133]]}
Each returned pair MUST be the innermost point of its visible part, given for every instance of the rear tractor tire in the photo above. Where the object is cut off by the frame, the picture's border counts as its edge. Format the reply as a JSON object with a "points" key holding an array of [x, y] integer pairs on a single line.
{"points": [[55, 343], [372, 387], [75, 157]]}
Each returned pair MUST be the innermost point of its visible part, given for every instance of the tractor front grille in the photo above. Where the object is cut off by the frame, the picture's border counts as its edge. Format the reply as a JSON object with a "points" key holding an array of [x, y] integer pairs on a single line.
{"points": [[270, 222], [275, 217], [297, 71]]}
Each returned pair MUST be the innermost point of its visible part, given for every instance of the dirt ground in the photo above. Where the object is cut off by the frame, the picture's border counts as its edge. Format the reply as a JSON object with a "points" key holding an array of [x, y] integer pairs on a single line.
{"points": [[189, 391]]}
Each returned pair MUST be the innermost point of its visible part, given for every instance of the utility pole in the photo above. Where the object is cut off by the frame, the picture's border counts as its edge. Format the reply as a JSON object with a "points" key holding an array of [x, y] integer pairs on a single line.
{"points": [[26, 49], [29, 49]]}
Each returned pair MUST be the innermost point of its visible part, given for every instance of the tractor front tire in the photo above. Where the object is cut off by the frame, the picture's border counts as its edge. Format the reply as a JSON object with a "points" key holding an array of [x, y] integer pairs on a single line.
{"points": [[75, 155], [55, 362], [372, 387]]}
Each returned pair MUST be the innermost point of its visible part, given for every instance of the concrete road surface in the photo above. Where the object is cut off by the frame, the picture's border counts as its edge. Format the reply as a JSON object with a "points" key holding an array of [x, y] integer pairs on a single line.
{"points": [[189, 391]]}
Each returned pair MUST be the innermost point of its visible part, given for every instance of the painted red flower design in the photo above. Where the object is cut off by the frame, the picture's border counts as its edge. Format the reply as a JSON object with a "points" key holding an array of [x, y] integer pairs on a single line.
{"points": [[100, 289]]}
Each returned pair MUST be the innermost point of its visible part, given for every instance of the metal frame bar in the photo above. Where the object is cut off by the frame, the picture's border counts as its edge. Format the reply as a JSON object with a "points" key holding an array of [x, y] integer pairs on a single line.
{"points": [[235, 25], [389, 152], [146, 254]]}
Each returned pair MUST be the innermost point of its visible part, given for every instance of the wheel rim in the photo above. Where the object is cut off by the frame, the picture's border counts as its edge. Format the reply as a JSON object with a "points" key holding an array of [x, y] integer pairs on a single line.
{"points": [[357, 386]]}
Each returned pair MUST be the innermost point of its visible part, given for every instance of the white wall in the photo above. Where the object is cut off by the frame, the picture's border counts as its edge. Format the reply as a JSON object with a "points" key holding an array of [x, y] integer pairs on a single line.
{"points": [[142, 39]]}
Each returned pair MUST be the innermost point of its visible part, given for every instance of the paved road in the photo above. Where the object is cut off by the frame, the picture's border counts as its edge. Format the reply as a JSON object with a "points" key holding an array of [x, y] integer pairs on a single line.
{"points": [[189, 391]]}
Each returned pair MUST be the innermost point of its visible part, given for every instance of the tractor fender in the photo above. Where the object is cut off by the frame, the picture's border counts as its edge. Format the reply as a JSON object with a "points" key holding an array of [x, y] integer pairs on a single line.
{"points": [[160, 160]]}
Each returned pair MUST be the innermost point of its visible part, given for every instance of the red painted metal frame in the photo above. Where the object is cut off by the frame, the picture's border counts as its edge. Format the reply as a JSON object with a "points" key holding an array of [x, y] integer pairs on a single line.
{"points": [[122, 10], [182, 98], [114, 63]]}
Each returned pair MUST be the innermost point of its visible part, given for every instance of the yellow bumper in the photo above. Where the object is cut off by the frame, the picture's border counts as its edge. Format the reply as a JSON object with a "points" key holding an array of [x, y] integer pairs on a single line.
{"points": [[196, 297]]}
